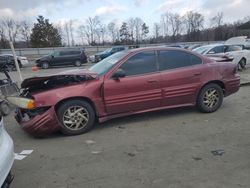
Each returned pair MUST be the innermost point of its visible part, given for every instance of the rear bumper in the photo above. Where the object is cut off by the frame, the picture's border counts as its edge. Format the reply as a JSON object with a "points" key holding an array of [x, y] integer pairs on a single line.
{"points": [[24, 62], [6, 158], [232, 85], [40, 125]]}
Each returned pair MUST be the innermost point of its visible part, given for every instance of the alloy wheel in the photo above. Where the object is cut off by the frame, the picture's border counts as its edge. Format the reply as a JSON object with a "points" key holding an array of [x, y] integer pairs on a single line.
{"points": [[211, 98], [75, 118]]}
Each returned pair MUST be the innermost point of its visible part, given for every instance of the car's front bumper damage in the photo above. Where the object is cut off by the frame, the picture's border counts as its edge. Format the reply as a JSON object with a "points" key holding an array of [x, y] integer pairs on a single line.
{"points": [[40, 124]]}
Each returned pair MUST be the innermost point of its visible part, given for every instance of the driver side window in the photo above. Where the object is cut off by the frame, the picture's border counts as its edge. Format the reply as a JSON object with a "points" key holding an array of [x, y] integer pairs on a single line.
{"points": [[141, 63]]}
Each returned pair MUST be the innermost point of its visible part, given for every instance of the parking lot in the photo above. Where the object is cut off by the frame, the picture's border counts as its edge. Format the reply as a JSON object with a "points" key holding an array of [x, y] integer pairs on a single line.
{"points": [[169, 148]]}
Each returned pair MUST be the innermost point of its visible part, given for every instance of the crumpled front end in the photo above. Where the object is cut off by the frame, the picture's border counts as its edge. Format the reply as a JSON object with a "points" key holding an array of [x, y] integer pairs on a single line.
{"points": [[38, 123]]}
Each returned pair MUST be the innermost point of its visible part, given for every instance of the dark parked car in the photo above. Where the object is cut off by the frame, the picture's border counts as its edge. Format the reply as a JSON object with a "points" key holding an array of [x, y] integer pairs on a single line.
{"points": [[8, 62], [65, 57], [128, 82], [107, 53]]}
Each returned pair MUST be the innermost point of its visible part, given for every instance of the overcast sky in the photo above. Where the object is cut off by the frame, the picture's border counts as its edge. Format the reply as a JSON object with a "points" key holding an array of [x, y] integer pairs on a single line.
{"points": [[150, 11]]}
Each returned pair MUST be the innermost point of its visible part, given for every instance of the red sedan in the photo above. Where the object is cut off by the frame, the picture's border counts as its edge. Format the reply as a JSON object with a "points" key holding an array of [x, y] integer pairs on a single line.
{"points": [[128, 82]]}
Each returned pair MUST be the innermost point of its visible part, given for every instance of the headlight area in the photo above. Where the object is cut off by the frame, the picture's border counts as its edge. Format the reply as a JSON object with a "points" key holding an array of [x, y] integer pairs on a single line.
{"points": [[24, 103], [26, 108]]}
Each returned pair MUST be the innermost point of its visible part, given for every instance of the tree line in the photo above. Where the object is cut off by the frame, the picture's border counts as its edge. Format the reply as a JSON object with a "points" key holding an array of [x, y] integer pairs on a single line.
{"points": [[172, 27]]}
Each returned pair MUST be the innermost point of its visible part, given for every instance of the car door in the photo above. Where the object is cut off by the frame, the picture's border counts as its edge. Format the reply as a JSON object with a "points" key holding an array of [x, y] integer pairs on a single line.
{"points": [[138, 90], [56, 58], [72, 56], [181, 73], [64, 57]]}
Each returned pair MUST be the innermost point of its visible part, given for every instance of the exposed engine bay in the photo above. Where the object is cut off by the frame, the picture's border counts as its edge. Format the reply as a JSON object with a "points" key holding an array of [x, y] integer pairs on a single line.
{"points": [[49, 82]]}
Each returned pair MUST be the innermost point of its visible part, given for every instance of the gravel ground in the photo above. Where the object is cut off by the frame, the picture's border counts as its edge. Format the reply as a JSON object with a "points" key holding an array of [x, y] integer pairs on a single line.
{"points": [[169, 148]]}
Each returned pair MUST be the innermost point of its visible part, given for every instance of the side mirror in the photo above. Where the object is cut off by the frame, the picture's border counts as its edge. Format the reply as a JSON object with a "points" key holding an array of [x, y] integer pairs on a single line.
{"points": [[119, 74]]}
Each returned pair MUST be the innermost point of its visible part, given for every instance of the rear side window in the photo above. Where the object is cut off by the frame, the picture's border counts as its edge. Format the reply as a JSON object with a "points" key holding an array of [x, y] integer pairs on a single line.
{"points": [[217, 49], [75, 52], [64, 53], [234, 48], [177, 59], [141, 63]]}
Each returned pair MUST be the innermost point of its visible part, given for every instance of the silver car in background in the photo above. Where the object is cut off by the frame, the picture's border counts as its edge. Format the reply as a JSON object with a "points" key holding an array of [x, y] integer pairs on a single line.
{"points": [[6, 156]]}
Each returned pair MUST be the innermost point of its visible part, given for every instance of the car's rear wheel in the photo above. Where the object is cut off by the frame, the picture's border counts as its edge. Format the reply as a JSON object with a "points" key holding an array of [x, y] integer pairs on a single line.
{"points": [[78, 63], [210, 98], [45, 65], [76, 117], [242, 63]]}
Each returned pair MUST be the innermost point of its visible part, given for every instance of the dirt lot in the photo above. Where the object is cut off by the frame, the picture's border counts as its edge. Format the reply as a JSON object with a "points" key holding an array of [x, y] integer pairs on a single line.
{"points": [[170, 148]]}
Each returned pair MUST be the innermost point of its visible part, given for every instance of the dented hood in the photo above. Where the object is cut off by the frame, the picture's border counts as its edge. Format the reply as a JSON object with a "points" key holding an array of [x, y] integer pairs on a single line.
{"points": [[76, 75]]}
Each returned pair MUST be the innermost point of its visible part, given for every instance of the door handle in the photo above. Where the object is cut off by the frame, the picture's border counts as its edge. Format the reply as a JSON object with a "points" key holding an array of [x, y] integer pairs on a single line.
{"points": [[197, 74], [152, 81]]}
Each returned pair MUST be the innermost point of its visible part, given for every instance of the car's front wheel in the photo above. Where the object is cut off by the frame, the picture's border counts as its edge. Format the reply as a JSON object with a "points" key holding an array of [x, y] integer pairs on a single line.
{"points": [[76, 117], [210, 98], [45, 65]]}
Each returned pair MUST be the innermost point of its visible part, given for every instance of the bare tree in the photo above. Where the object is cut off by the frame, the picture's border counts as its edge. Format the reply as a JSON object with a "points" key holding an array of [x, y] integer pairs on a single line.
{"points": [[164, 24], [112, 31], [103, 30], [12, 28], [194, 21], [25, 31], [91, 27], [138, 28], [217, 20], [175, 23], [71, 31], [81, 33], [66, 29], [131, 28], [3, 40], [157, 30]]}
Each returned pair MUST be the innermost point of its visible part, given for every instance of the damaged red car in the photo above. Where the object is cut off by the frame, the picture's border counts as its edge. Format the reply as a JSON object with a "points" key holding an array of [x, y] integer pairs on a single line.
{"points": [[128, 82]]}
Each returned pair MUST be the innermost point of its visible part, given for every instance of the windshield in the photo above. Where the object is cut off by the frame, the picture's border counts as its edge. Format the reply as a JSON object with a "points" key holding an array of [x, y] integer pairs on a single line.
{"points": [[202, 50], [106, 64], [107, 51]]}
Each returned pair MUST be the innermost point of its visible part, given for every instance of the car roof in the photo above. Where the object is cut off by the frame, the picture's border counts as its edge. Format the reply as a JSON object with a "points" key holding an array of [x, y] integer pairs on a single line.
{"points": [[156, 48]]}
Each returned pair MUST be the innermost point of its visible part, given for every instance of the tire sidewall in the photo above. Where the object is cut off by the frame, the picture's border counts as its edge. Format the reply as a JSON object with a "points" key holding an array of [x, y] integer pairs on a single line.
{"points": [[78, 63], [243, 63], [75, 102], [45, 65], [201, 106]]}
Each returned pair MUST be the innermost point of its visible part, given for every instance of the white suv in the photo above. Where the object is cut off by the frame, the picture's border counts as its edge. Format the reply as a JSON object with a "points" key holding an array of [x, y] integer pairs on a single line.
{"points": [[6, 156]]}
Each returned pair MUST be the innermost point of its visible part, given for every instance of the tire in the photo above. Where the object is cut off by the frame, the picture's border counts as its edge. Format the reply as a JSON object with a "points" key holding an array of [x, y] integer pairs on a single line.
{"points": [[78, 63], [75, 124], [208, 102], [20, 64], [242, 63], [45, 65]]}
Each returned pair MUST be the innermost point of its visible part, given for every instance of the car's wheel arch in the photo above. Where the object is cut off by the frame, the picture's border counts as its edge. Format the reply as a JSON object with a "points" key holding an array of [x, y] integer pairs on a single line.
{"points": [[218, 82], [88, 100]]}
